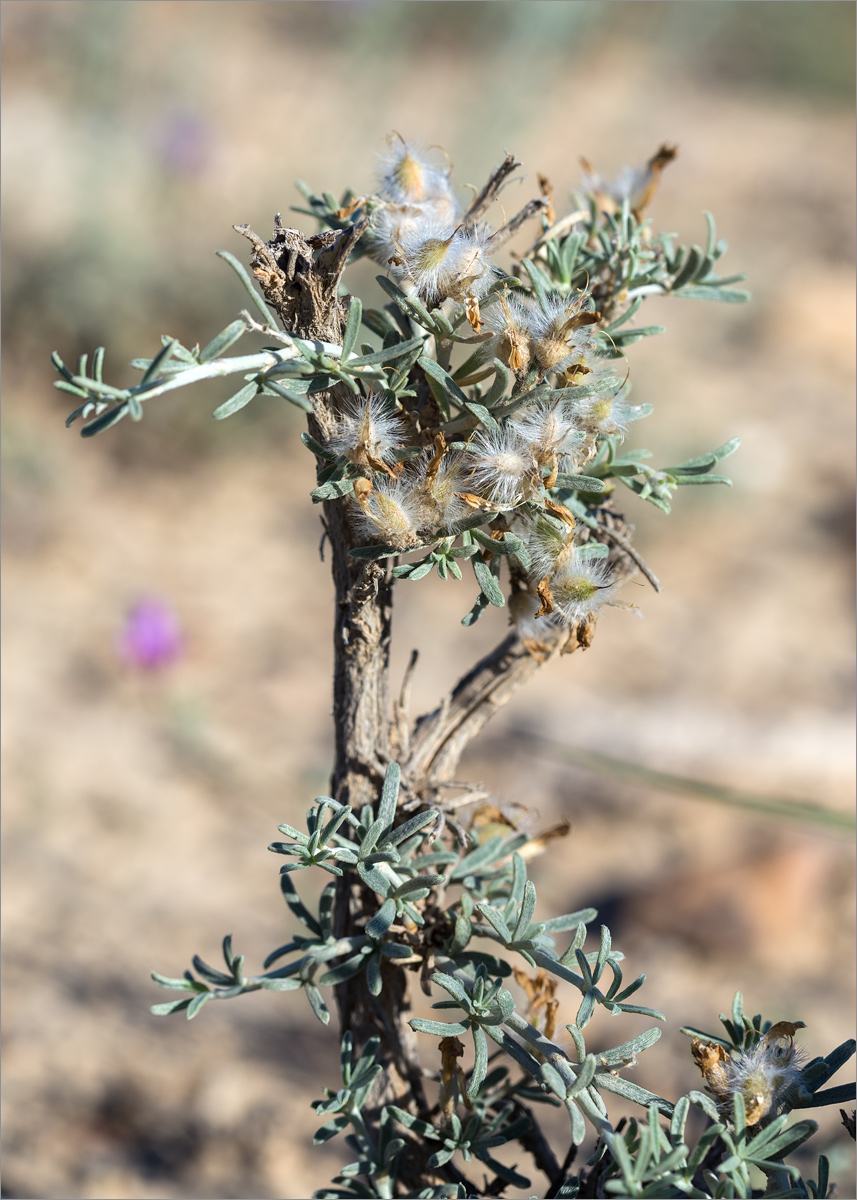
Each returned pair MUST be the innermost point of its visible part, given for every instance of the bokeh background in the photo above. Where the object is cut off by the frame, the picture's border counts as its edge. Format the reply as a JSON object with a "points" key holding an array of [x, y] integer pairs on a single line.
{"points": [[138, 804]]}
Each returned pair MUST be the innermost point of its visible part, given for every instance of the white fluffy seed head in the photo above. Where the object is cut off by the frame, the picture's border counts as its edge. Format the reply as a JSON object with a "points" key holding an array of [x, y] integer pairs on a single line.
{"points": [[367, 433], [764, 1075], [561, 337], [550, 430], [606, 413], [443, 260], [586, 357], [580, 586], [396, 224], [549, 543], [409, 173], [389, 514], [504, 470], [509, 320], [439, 494]]}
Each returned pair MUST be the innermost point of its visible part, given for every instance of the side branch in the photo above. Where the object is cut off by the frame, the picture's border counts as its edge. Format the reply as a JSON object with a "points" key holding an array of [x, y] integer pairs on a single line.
{"points": [[497, 181], [439, 737], [531, 209]]}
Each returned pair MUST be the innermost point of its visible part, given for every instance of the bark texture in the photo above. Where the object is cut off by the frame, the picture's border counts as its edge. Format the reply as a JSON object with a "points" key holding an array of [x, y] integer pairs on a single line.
{"points": [[300, 278]]}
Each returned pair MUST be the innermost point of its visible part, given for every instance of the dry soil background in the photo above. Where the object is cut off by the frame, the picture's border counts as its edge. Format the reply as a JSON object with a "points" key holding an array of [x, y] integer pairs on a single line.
{"points": [[137, 809]]}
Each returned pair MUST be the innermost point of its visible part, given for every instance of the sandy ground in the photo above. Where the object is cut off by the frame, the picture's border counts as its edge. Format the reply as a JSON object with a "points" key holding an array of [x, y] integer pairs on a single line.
{"points": [[137, 808]]}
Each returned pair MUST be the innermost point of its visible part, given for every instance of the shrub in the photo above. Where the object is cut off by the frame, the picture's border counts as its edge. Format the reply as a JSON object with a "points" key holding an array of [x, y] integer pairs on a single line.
{"points": [[481, 430]]}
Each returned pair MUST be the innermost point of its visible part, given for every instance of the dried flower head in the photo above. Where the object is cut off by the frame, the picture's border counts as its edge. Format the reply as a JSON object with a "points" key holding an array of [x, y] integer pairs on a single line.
{"points": [[415, 197], [562, 332], [504, 469], [580, 586], [550, 430], [509, 321], [637, 185], [607, 412], [549, 542], [367, 433], [765, 1075], [395, 224], [389, 512], [412, 174], [440, 480], [443, 260]]}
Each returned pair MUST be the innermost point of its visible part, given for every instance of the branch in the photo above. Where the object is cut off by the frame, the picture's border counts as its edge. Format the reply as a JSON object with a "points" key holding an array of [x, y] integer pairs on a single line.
{"points": [[536, 1144], [624, 544], [439, 737], [531, 209], [497, 181]]}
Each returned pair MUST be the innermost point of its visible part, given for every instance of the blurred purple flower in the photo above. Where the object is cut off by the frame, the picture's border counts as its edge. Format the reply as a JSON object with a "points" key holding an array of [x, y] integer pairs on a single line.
{"points": [[151, 636], [182, 142]]}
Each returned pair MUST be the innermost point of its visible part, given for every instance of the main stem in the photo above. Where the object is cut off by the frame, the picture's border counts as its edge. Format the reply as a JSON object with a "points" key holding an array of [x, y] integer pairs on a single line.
{"points": [[300, 278]]}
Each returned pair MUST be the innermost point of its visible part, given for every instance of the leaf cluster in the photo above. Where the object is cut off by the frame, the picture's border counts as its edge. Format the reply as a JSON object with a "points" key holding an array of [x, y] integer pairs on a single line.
{"points": [[460, 910], [429, 363], [457, 906]]}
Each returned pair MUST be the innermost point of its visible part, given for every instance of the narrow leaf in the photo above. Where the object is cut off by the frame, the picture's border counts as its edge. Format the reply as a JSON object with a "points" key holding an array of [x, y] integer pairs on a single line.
{"points": [[104, 421], [197, 1003], [632, 1091], [245, 279], [476, 611], [317, 1004], [439, 1028], [221, 343], [389, 794], [159, 359], [352, 328], [480, 1063], [488, 584], [383, 919], [726, 295], [387, 354], [277, 389], [236, 402], [297, 906], [169, 1006], [580, 483], [402, 832], [332, 490]]}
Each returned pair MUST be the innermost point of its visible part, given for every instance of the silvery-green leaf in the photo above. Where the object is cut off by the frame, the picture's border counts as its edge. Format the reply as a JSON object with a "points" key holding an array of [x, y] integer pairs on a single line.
{"points": [[387, 354], [488, 584], [383, 919], [169, 1006], [197, 1003], [316, 1003], [236, 402], [222, 341], [332, 490], [727, 295], [439, 1028], [633, 1091]]}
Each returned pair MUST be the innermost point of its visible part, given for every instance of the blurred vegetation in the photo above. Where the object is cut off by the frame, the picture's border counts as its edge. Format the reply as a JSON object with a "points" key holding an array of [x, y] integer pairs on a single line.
{"points": [[126, 162], [801, 46]]}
